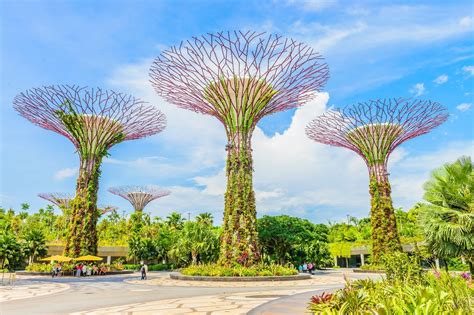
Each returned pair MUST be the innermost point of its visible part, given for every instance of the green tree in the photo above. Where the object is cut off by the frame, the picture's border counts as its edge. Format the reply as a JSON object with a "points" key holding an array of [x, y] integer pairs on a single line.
{"points": [[34, 245], [11, 252], [285, 238], [448, 218], [197, 241], [205, 218], [175, 220]]}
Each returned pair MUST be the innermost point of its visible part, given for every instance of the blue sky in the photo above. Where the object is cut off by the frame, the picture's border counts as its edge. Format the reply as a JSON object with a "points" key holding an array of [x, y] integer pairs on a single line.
{"points": [[373, 48]]}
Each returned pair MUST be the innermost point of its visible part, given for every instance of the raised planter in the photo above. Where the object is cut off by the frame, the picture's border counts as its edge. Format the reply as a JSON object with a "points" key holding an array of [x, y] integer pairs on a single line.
{"points": [[178, 276], [358, 270], [70, 274]]}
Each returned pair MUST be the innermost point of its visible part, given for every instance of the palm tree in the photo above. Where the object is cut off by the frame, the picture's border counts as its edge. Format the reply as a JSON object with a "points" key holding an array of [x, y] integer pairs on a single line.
{"points": [[35, 245], [175, 220], [205, 218], [448, 219], [196, 240]]}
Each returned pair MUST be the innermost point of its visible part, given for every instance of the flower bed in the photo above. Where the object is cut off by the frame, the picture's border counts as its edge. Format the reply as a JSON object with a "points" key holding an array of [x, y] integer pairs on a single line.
{"points": [[261, 270]]}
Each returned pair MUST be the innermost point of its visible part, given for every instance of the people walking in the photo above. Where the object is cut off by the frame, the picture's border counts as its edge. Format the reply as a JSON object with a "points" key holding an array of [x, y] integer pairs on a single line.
{"points": [[300, 268], [310, 268], [143, 270], [305, 267]]}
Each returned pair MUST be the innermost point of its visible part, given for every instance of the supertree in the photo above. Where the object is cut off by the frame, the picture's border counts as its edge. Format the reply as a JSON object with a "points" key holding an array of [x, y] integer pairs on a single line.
{"points": [[373, 130], [94, 120], [239, 77], [103, 209], [139, 196], [62, 200]]}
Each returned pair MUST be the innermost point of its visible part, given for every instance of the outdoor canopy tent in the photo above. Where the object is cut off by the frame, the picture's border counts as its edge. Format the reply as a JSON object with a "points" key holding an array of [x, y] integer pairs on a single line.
{"points": [[57, 258]]}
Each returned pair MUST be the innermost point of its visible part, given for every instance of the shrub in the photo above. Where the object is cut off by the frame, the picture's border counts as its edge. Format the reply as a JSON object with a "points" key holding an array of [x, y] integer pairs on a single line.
{"points": [[399, 267], [215, 270], [436, 293], [36, 267]]}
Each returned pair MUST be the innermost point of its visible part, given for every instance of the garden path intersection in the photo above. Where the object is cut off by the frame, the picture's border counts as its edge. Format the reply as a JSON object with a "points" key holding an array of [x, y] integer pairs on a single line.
{"points": [[159, 295]]}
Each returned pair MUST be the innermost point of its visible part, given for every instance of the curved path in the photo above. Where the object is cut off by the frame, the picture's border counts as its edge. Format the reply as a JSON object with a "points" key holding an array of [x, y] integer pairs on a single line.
{"points": [[158, 295]]}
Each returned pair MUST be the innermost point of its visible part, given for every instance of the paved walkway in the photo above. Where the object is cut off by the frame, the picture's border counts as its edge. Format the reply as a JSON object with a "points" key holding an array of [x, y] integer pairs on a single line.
{"points": [[236, 303], [290, 305], [165, 280], [17, 292], [162, 295]]}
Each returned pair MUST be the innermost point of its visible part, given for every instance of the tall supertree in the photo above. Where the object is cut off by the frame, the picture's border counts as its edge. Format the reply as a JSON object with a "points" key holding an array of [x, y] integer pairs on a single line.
{"points": [[62, 200], [239, 77], [139, 196], [94, 120], [373, 130]]}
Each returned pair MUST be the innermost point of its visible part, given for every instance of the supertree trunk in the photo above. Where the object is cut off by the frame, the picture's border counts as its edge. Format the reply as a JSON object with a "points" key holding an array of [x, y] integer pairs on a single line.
{"points": [[239, 237], [82, 232], [385, 236]]}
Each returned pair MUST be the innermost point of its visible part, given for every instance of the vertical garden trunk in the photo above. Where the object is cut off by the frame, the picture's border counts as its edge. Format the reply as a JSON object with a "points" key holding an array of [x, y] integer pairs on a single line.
{"points": [[239, 237], [82, 233], [385, 236]]}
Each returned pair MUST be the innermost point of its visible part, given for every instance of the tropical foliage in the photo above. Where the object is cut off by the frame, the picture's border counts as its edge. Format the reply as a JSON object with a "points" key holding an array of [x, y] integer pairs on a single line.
{"points": [[405, 291], [258, 270], [448, 217]]}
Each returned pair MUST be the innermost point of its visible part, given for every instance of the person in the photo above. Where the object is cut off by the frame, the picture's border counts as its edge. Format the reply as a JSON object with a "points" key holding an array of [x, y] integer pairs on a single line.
{"points": [[53, 272], [78, 270], [143, 271], [310, 268], [305, 267], [300, 268]]}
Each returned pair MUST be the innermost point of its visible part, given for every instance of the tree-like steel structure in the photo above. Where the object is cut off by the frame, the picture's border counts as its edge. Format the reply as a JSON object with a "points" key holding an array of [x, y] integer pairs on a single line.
{"points": [[373, 130], [139, 196], [94, 120], [239, 77], [103, 209], [62, 200]]}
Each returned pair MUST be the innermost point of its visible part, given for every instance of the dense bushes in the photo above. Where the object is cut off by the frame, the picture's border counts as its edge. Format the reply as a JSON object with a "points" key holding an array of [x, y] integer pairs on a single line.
{"points": [[406, 290], [239, 271], [151, 267]]}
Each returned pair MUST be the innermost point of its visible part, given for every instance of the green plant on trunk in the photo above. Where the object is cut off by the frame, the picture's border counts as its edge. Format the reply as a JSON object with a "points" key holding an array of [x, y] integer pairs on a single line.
{"points": [[94, 135], [385, 238], [239, 101]]}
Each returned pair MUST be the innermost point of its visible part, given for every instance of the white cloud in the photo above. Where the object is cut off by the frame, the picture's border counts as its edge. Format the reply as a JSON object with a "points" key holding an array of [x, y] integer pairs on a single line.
{"points": [[463, 107], [441, 79], [65, 173], [469, 70], [312, 5], [418, 89], [466, 22]]}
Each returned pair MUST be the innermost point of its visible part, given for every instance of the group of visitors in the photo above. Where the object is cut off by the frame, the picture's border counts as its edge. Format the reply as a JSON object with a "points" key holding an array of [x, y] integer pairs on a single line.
{"points": [[306, 267], [56, 272], [83, 270]]}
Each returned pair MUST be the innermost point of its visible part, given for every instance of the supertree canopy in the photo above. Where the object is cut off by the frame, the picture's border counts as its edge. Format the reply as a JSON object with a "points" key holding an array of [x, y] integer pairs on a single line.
{"points": [[139, 196], [94, 120], [373, 130], [239, 77], [62, 200], [103, 209]]}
